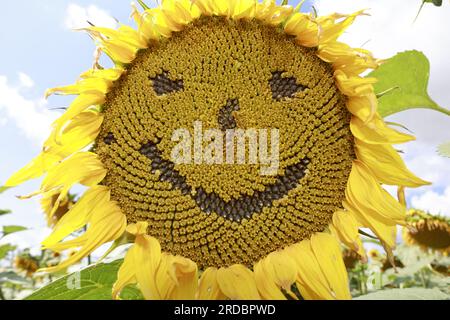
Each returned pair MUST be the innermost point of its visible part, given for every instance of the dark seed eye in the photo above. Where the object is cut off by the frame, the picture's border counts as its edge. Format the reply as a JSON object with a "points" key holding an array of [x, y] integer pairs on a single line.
{"points": [[284, 87], [226, 119], [162, 84]]}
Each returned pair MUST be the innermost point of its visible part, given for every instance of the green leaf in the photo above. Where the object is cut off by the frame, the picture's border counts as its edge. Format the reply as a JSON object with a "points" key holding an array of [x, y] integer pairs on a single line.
{"points": [[92, 283], [4, 212], [404, 81], [5, 249], [444, 149], [406, 294], [437, 3], [12, 229]]}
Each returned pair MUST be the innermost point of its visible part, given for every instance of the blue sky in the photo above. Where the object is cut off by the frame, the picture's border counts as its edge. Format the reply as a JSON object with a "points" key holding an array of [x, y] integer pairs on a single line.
{"points": [[40, 51]]}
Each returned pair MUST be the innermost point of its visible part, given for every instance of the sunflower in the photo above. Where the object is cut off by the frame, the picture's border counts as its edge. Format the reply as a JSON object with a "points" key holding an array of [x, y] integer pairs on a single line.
{"points": [[26, 264], [427, 231], [224, 231], [351, 258]]}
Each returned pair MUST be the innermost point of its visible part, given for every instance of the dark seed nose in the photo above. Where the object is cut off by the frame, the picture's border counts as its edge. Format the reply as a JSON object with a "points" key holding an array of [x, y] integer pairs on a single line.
{"points": [[226, 118]]}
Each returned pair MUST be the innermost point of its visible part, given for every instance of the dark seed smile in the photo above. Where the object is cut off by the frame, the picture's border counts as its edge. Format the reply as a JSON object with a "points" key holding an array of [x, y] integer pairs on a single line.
{"points": [[235, 209]]}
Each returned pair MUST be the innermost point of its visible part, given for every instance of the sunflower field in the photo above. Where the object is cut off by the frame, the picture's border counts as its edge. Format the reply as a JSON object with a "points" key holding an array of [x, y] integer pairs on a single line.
{"points": [[226, 150]]}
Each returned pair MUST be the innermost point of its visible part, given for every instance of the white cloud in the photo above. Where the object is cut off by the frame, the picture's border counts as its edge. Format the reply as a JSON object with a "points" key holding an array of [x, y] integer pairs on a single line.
{"points": [[30, 116], [25, 80], [77, 17], [434, 202]]}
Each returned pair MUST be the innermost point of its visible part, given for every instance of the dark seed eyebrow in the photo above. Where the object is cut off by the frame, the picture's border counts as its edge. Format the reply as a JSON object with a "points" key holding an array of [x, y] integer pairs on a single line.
{"points": [[162, 84], [284, 87]]}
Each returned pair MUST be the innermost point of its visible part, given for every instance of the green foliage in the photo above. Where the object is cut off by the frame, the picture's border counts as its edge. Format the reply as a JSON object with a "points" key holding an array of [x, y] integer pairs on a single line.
{"points": [[5, 249], [4, 212], [12, 278], [402, 84], [7, 230], [416, 270], [437, 3], [406, 294], [93, 283]]}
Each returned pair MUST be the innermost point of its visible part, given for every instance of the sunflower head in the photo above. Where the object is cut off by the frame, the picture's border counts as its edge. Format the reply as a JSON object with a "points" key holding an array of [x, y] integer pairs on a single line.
{"points": [[374, 254], [430, 232], [351, 258], [26, 264], [222, 74]]}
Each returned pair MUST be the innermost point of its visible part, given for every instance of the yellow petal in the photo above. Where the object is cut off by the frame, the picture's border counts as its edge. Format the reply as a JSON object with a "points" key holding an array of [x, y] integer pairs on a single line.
{"points": [[364, 107], [311, 280], [95, 199], [105, 226], [385, 232], [124, 34], [208, 288], [328, 254], [80, 104], [377, 132], [120, 52], [277, 270], [206, 7], [185, 274], [304, 28], [96, 86], [271, 13], [145, 25], [244, 9], [365, 193], [354, 86], [387, 166], [107, 74], [125, 275], [77, 133], [147, 257], [83, 167], [346, 227], [36, 168], [264, 277], [334, 25], [237, 283]]}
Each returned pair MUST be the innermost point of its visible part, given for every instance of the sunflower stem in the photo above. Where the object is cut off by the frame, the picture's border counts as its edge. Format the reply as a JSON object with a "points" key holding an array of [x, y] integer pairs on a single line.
{"points": [[364, 282], [360, 283], [422, 277]]}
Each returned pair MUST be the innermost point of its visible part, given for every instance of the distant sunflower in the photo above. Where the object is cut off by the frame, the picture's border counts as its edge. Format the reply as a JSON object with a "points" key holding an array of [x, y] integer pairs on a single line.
{"points": [[351, 258], [225, 231], [427, 231], [26, 264]]}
